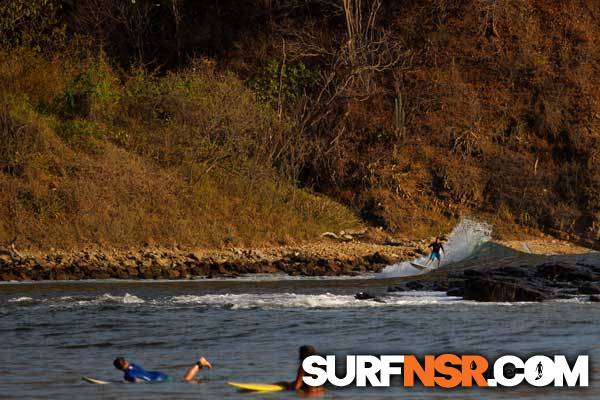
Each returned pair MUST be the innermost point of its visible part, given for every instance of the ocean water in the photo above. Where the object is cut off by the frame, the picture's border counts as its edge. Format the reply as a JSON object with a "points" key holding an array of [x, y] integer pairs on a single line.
{"points": [[53, 333]]}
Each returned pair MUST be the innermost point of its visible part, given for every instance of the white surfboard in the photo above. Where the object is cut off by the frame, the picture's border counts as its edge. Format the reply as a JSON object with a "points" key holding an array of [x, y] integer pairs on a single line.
{"points": [[419, 266], [94, 381]]}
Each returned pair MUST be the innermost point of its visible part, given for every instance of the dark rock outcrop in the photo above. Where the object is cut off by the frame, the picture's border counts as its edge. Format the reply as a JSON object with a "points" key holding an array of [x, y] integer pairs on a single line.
{"points": [[528, 283], [513, 283], [589, 288], [564, 272], [421, 285], [493, 289], [368, 296], [456, 291]]}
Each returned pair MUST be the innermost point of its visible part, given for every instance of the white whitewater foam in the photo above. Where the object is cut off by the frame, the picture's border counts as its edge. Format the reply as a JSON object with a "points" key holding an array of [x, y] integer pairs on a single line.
{"points": [[462, 242], [310, 301], [126, 299], [69, 301], [20, 299], [278, 301], [266, 301], [108, 298]]}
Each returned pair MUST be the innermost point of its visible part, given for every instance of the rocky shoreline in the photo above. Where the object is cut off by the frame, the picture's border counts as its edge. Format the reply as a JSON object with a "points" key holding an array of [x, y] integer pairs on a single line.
{"points": [[513, 277], [324, 258]]}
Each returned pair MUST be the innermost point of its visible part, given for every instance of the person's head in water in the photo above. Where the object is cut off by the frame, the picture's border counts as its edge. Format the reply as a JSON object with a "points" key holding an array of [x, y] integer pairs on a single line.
{"points": [[306, 351], [121, 363]]}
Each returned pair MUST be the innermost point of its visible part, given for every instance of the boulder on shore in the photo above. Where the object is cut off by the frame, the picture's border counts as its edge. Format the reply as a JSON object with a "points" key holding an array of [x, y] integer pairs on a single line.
{"points": [[489, 289]]}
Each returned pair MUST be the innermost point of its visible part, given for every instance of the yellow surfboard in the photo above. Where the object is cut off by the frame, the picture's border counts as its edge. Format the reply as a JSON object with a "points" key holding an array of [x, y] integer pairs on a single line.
{"points": [[257, 387]]}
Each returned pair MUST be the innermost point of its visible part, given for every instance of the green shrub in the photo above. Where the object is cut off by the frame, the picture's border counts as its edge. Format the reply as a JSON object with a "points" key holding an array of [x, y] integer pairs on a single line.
{"points": [[278, 85], [93, 92]]}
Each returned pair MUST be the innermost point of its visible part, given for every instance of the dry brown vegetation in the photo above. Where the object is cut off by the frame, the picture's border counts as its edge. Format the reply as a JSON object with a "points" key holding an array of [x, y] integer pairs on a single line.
{"points": [[499, 111], [184, 159], [411, 113]]}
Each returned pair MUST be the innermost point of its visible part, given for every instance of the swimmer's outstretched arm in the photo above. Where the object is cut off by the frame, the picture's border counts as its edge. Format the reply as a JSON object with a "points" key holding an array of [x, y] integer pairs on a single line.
{"points": [[297, 384], [193, 371]]}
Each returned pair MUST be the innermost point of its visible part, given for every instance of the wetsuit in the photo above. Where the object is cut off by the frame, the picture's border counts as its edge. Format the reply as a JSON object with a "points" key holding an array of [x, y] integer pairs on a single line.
{"points": [[435, 250], [135, 373]]}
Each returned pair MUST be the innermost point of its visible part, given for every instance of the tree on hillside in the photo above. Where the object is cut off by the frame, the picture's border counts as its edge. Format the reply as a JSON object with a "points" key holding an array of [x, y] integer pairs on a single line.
{"points": [[36, 24]]}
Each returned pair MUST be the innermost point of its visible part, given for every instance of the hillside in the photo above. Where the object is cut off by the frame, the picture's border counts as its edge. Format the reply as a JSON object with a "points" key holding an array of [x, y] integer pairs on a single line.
{"points": [[89, 160], [128, 123]]}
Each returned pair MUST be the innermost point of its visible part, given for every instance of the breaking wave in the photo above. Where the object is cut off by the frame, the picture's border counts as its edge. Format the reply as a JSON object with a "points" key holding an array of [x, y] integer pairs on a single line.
{"points": [[463, 242]]}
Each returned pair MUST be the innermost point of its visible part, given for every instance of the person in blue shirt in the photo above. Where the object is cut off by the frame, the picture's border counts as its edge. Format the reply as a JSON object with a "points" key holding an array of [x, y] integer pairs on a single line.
{"points": [[135, 374]]}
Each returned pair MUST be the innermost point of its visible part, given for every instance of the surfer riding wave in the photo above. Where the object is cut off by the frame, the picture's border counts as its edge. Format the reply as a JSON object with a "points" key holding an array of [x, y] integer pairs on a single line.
{"points": [[436, 246], [465, 240]]}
